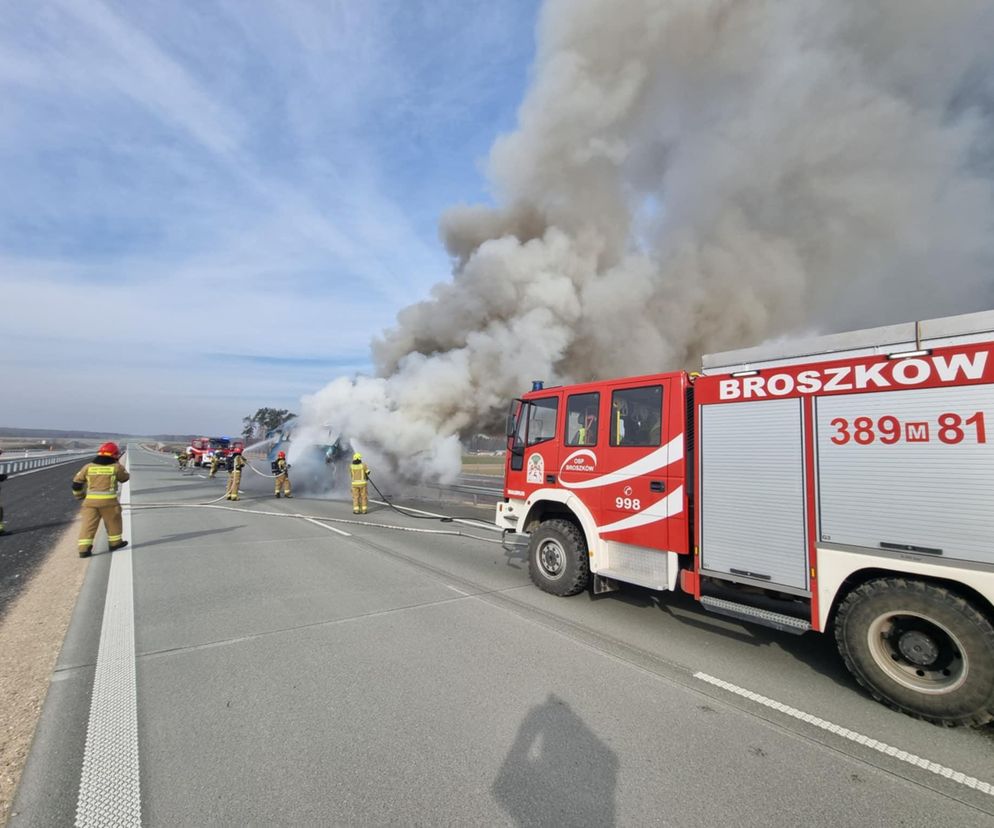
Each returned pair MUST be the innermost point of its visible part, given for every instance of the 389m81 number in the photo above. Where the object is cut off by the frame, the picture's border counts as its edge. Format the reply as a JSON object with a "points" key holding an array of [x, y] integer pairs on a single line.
{"points": [[949, 428]]}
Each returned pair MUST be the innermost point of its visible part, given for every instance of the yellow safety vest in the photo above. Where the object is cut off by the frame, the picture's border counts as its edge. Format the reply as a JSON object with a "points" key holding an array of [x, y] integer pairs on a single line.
{"points": [[101, 481], [358, 472], [94, 492]]}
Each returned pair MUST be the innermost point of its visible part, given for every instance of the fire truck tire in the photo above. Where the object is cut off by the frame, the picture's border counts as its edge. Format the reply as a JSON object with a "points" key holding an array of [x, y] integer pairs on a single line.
{"points": [[920, 649], [557, 558]]}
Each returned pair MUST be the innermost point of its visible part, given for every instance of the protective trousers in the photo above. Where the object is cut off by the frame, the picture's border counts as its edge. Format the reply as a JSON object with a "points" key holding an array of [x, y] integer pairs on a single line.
{"points": [[91, 516], [360, 500], [1, 519], [234, 478], [283, 484]]}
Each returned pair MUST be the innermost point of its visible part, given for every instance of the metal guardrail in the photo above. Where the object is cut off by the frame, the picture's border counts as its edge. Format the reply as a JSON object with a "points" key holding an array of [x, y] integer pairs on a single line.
{"points": [[13, 465]]}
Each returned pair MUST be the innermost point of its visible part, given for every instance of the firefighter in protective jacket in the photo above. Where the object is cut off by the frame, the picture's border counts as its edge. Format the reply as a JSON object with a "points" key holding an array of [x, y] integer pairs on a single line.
{"points": [[359, 472], [96, 485], [215, 462], [235, 465], [282, 471]]}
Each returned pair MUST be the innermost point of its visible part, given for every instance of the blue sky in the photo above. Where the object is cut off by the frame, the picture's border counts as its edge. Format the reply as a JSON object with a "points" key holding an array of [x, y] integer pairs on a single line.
{"points": [[209, 206]]}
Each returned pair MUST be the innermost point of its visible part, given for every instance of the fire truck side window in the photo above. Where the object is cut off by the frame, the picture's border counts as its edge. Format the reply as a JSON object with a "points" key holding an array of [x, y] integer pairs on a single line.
{"points": [[581, 419], [637, 416], [542, 415]]}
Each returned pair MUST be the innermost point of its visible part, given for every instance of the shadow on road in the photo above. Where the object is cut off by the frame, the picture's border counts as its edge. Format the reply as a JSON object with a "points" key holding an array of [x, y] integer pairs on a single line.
{"points": [[817, 652], [19, 530], [180, 487], [183, 536], [516, 555], [558, 772]]}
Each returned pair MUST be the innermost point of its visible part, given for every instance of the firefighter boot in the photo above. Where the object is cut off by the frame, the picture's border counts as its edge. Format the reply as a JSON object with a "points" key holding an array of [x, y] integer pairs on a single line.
{"points": [[117, 546], [85, 551], [277, 494]]}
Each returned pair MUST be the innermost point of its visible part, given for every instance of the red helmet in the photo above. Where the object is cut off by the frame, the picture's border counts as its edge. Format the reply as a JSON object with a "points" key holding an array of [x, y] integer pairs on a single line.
{"points": [[281, 454], [109, 450], [237, 450]]}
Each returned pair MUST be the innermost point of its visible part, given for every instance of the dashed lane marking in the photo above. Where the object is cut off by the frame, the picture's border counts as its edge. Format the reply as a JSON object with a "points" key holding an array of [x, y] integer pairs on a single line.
{"points": [[329, 528], [853, 736], [109, 790]]}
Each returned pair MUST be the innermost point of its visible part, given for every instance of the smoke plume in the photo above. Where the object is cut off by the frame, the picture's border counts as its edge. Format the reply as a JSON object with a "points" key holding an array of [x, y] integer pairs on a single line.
{"points": [[697, 175]]}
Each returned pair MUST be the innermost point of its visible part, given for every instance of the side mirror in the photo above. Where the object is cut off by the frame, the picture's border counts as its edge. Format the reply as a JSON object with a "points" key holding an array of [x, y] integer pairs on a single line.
{"points": [[510, 425]]}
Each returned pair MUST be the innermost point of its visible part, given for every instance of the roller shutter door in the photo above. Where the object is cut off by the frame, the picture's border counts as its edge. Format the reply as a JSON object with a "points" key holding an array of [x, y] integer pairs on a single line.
{"points": [[752, 491], [902, 486]]}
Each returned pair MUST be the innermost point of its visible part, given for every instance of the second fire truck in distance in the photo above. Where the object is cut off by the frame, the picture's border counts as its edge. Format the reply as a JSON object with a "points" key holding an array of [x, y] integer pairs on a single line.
{"points": [[206, 447], [844, 484]]}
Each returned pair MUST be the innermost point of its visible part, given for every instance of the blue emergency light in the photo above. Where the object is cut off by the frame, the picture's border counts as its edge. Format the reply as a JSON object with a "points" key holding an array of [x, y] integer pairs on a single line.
{"points": [[538, 385]]}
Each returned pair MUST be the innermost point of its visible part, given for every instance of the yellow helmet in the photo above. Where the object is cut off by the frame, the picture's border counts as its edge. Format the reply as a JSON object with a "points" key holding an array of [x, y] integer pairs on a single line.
{"points": [[356, 456]]}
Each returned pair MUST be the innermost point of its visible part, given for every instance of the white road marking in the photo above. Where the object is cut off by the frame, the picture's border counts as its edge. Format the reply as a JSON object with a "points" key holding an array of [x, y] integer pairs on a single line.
{"points": [[454, 589], [329, 528], [853, 736], [109, 787]]}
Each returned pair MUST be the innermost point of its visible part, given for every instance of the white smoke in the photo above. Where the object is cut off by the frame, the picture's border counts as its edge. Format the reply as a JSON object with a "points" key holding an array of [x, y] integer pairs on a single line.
{"points": [[692, 175]]}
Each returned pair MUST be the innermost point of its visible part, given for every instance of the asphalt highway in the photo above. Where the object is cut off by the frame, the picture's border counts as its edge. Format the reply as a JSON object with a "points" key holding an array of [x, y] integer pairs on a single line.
{"points": [[38, 506], [292, 664]]}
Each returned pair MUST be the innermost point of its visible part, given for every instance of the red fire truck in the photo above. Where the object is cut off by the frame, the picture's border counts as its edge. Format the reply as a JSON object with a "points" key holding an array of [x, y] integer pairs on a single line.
{"points": [[841, 484], [206, 447]]}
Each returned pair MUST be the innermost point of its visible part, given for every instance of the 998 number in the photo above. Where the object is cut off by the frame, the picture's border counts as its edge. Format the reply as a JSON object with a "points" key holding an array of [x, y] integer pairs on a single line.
{"points": [[632, 503]]}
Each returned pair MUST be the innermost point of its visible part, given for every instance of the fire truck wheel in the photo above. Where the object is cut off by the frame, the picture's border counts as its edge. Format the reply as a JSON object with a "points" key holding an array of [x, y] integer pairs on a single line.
{"points": [[557, 558], [921, 649]]}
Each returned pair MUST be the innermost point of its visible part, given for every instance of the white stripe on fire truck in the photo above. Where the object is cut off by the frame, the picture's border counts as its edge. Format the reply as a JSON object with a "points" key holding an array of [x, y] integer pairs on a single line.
{"points": [[663, 508], [853, 736], [659, 459]]}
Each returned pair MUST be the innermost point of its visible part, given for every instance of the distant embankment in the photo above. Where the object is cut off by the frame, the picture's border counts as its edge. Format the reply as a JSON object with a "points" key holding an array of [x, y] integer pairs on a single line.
{"points": [[87, 435]]}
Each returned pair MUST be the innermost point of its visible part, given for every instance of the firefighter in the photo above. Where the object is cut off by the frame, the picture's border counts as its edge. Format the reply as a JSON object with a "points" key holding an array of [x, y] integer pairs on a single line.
{"points": [[191, 460], [2, 478], [282, 471], [360, 474], [215, 462], [181, 459], [96, 485], [586, 434], [234, 465]]}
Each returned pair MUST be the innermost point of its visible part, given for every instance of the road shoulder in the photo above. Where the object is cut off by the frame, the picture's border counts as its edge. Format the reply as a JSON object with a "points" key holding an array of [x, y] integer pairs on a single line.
{"points": [[31, 636]]}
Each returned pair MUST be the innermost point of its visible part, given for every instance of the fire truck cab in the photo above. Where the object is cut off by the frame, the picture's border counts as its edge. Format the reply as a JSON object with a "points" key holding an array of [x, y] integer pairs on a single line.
{"points": [[839, 484]]}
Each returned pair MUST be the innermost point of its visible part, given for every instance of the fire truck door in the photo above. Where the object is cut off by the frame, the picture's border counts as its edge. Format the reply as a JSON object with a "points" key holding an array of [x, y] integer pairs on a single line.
{"points": [[535, 447], [640, 492], [752, 487]]}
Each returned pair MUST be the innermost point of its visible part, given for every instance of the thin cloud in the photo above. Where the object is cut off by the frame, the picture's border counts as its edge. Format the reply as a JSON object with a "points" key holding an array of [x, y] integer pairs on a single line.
{"points": [[230, 178]]}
